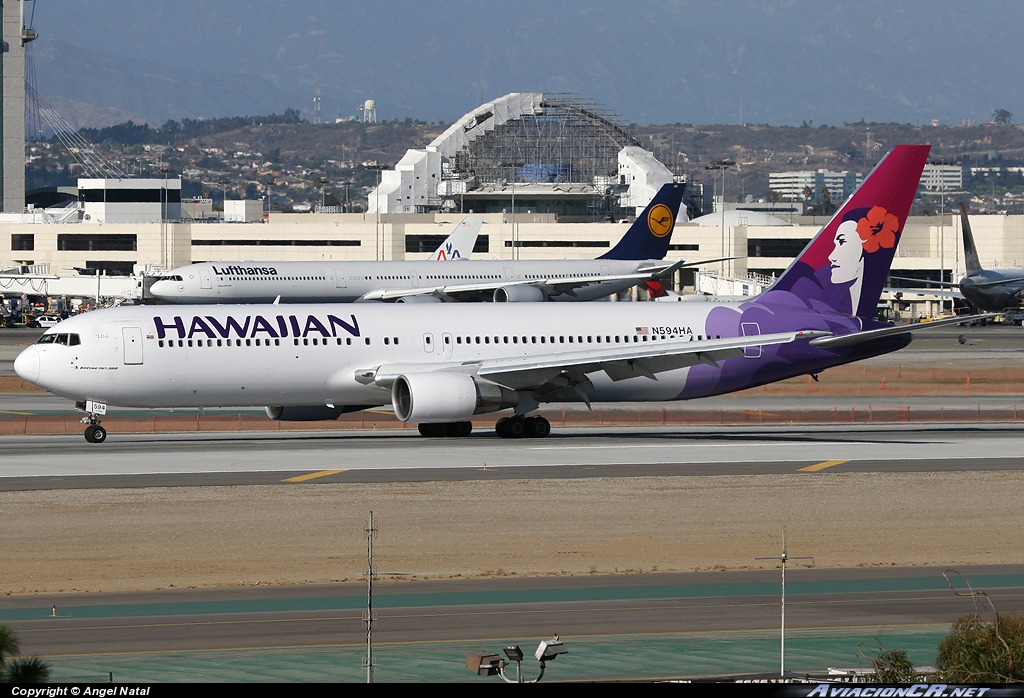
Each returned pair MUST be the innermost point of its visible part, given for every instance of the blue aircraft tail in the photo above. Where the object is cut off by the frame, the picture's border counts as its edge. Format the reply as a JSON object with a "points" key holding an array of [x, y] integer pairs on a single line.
{"points": [[651, 232]]}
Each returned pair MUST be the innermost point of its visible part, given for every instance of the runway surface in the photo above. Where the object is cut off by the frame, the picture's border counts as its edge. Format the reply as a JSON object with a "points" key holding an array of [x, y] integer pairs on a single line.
{"points": [[592, 615], [62, 462], [682, 624]]}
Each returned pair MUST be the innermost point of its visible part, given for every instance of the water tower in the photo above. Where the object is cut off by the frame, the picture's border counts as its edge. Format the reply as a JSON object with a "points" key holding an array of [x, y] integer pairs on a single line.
{"points": [[369, 110]]}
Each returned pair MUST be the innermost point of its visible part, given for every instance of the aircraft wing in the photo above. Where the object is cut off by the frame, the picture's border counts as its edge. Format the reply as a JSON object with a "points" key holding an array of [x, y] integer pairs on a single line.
{"points": [[553, 286], [924, 292], [846, 340], [618, 362], [997, 282], [926, 282]]}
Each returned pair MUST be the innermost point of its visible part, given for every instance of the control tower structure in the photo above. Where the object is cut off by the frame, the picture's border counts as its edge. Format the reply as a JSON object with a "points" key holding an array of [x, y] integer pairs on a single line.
{"points": [[12, 140]]}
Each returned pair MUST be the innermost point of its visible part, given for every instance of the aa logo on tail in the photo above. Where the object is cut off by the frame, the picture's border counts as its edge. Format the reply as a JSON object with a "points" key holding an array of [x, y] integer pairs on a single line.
{"points": [[660, 220]]}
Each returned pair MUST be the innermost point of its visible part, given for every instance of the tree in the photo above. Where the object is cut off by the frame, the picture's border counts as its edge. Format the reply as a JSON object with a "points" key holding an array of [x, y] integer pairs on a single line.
{"points": [[979, 651], [21, 669], [1001, 116], [27, 670], [8, 643], [891, 666]]}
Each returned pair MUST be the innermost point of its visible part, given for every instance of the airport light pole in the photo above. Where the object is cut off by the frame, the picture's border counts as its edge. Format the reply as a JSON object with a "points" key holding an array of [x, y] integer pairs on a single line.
{"points": [[716, 167], [369, 619], [376, 201], [782, 637], [942, 220], [515, 164], [168, 247]]}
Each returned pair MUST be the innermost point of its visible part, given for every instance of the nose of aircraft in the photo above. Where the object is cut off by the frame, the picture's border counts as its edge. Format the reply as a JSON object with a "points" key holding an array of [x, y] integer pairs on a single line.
{"points": [[27, 365]]}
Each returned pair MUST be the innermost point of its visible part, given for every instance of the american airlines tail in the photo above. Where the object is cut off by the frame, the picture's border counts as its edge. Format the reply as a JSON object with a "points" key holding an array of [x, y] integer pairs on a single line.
{"points": [[459, 245], [970, 251], [651, 232], [845, 266]]}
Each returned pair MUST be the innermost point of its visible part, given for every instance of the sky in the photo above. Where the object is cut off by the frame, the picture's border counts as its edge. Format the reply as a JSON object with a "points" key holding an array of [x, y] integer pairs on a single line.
{"points": [[650, 61]]}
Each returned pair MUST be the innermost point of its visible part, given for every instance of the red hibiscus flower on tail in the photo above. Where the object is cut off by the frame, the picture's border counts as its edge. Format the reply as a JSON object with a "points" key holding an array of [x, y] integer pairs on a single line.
{"points": [[877, 229]]}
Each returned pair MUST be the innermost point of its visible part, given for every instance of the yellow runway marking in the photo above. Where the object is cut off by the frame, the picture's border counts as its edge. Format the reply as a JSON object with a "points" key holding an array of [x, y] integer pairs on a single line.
{"points": [[313, 476], [19, 413], [821, 466]]}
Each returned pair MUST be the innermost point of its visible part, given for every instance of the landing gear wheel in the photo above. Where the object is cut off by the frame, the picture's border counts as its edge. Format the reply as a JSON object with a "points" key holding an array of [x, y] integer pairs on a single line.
{"points": [[432, 430], [501, 427], [459, 429], [537, 427], [95, 434], [516, 428]]}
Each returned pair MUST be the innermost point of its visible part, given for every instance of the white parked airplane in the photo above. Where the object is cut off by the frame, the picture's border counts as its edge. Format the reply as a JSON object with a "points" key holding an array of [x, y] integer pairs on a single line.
{"points": [[439, 365], [635, 259], [216, 282]]}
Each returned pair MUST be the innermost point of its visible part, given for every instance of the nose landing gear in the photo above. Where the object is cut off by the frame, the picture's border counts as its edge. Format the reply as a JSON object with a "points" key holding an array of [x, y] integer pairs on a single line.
{"points": [[95, 434]]}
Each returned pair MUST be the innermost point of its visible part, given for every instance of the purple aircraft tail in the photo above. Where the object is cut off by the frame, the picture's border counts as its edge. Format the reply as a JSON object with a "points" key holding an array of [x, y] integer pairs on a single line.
{"points": [[651, 232], [845, 266]]}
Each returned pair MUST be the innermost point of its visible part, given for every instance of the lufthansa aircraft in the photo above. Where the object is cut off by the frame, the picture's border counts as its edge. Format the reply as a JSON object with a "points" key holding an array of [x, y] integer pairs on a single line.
{"points": [[635, 259], [439, 365]]}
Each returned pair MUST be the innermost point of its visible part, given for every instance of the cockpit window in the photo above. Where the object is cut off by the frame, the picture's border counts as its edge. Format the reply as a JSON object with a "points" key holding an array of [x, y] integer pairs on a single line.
{"points": [[171, 277], [65, 338]]}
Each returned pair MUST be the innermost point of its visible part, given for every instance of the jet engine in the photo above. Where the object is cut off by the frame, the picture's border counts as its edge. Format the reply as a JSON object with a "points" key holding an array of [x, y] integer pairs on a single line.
{"points": [[304, 413], [446, 397], [519, 294]]}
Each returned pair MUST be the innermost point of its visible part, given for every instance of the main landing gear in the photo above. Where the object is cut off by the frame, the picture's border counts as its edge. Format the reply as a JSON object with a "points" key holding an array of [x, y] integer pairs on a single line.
{"points": [[447, 429], [507, 428], [519, 427]]}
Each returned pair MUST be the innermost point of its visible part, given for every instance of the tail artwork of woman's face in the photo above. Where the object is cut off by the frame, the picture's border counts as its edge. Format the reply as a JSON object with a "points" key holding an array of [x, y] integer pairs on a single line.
{"points": [[847, 257], [863, 233]]}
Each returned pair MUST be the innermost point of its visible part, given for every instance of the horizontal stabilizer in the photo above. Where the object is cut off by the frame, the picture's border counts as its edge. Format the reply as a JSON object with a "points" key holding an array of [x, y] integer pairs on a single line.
{"points": [[848, 340]]}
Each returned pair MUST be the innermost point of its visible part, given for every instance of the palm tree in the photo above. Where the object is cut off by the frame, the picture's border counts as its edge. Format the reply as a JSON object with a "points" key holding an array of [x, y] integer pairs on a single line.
{"points": [[8, 643], [21, 669], [26, 670]]}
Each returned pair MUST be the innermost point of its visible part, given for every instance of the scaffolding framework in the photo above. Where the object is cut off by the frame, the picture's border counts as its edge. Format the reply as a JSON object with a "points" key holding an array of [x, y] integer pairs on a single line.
{"points": [[573, 134]]}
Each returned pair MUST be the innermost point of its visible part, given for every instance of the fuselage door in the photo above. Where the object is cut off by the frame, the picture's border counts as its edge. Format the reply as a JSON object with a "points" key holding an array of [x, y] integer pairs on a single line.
{"points": [[447, 345], [205, 277], [339, 279], [414, 280], [751, 329], [132, 337], [510, 275], [428, 343]]}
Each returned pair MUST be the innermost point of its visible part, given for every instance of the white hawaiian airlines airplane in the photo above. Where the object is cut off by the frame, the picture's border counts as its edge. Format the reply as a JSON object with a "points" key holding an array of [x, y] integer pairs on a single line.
{"points": [[441, 364], [635, 259]]}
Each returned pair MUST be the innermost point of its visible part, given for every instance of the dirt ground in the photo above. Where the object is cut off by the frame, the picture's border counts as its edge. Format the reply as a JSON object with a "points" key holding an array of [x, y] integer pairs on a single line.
{"points": [[124, 539]]}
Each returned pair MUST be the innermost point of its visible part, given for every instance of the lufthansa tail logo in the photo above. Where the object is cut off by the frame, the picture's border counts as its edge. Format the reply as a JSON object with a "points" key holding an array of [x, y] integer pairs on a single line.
{"points": [[660, 220]]}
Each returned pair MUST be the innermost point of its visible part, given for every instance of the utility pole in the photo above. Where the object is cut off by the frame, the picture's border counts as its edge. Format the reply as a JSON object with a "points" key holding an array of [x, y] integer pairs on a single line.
{"points": [[783, 559], [369, 619]]}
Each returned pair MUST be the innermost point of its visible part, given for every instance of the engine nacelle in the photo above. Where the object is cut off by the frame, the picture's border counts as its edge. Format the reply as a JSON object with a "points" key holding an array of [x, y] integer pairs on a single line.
{"points": [[304, 413], [446, 397], [519, 294], [419, 299]]}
